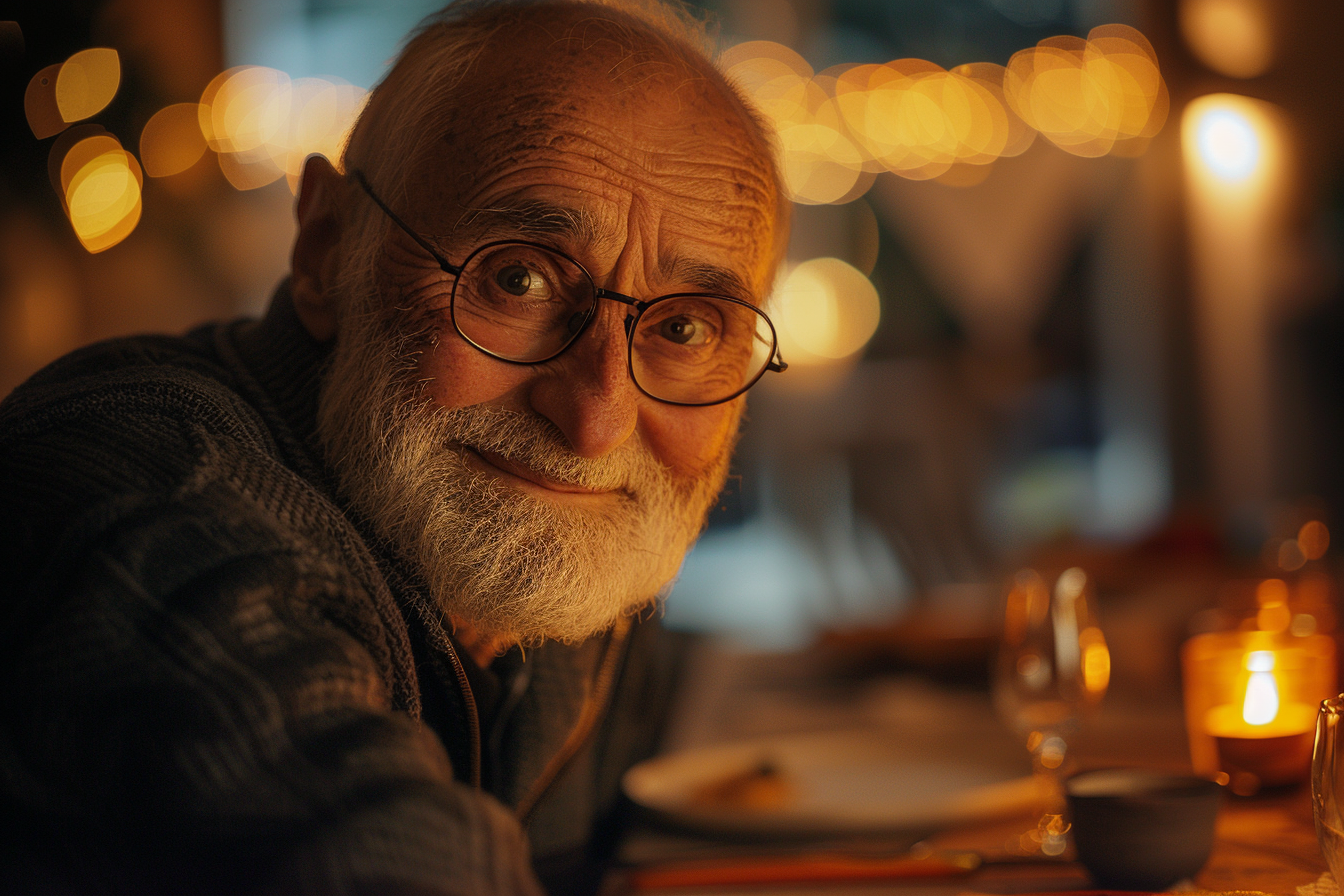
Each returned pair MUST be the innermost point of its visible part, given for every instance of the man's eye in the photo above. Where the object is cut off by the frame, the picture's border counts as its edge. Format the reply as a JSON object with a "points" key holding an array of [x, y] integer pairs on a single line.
{"points": [[683, 330], [517, 280]]}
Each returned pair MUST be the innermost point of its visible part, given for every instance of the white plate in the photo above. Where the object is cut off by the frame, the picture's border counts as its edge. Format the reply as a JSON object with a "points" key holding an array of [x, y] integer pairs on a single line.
{"points": [[841, 783]]}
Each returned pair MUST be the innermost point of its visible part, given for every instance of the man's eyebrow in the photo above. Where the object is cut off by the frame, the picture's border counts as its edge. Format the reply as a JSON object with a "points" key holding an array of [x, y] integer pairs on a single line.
{"points": [[532, 220], [710, 278], [547, 222]]}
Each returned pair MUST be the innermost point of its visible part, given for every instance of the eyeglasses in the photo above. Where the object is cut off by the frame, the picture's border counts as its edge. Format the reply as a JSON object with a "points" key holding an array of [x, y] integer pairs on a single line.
{"points": [[525, 303]]}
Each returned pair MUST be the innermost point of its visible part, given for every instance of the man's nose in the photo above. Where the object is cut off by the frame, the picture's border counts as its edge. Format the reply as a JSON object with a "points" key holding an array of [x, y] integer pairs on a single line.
{"points": [[588, 393]]}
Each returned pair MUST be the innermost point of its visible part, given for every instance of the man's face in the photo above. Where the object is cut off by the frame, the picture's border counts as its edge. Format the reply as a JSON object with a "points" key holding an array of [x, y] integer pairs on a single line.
{"points": [[563, 477], [668, 193]]}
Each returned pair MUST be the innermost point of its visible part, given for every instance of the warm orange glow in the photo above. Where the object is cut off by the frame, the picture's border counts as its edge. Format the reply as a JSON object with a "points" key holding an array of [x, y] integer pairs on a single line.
{"points": [[172, 141], [246, 114], [1238, 180], [39, 104], [911, 117], [916, 119], [758, 61], [205, 109], [1261, 705], [1231, 144], [821, 165], [1273, 614], [263, 124], [82, 152], [827, 310], [1096, 661], [988, 76], [1314, 539], [1290, 557], [324, 112], [101, 183], [1088, 96], [87, 82], [1028, 602], [1231, 37], [818, 161], [244, 107], [1250, 699]]}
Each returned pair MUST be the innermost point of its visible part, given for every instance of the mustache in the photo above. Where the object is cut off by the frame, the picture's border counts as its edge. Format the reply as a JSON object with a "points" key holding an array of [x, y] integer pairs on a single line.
{"points": [[532, 441]]}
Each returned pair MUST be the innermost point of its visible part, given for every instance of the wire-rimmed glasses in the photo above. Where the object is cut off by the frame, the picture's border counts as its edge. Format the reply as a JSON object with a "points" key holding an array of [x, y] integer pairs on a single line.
{"points": [[525, 303]]}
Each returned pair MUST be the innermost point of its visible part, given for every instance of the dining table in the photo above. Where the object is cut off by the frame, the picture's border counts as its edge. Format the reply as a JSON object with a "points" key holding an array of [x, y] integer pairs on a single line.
{"points": [[734, 695]]}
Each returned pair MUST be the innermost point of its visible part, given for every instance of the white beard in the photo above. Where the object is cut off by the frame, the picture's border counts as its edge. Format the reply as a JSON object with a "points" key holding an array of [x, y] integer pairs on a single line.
{"points": [[509, 563]]}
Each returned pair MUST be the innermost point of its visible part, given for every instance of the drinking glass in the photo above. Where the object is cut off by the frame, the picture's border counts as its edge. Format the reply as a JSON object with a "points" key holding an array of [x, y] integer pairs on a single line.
{"points": [[1052, 667], [1326, 788]]}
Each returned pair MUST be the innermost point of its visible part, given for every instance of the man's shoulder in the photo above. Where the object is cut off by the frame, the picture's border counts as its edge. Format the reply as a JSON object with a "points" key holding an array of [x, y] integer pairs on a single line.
{"points": [[125, 427], [135, 381]]}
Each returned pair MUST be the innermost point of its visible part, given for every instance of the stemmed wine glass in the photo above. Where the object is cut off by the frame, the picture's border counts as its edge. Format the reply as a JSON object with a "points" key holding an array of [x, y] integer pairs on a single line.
{"points": [[1327, 776], [1052, 667]]}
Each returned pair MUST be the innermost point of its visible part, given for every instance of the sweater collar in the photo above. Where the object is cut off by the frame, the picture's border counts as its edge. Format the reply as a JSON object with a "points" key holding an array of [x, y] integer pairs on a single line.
{"points": [[283, 366]]}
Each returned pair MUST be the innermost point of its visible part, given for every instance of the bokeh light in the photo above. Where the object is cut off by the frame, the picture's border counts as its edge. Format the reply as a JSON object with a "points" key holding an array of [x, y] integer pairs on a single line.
{"points": [[1232, 37], [87, 82], [39, 104], [263, 124], [172, 140], [827, 310], [1228, 144], [241, 112], [1313, 539], [101, 187], [1090, 97], [1096, 660], [71, 91], [837, 129]]}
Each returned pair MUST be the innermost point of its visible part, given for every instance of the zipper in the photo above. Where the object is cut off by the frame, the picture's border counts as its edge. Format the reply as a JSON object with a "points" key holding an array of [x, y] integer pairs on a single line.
{"points": [[494, 742], [593, 709], [469, 698]]}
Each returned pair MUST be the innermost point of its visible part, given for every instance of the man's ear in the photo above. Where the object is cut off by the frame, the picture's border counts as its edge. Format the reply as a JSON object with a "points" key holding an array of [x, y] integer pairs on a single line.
{"points": [[316, 260]]}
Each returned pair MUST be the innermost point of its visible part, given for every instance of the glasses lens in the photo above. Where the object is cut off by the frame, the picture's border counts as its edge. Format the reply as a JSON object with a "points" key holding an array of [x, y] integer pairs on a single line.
{"points": [[521, 302], [700, 349]]}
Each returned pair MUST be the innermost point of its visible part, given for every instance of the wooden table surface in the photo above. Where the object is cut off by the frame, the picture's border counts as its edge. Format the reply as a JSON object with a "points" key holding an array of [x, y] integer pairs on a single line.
{"points": [[1265, 843], [1262, 844]]}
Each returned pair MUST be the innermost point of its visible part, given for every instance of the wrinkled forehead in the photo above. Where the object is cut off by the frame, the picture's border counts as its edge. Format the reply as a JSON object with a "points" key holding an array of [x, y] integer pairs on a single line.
{"points": [[616, 120], [570, 49]]}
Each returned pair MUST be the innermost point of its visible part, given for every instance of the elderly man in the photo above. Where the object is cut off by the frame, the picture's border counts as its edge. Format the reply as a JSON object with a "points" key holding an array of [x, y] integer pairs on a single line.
{"points": [[350, 598]]}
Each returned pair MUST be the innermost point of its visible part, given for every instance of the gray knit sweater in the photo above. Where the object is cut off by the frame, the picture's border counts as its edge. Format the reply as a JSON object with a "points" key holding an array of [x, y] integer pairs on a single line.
{"points": [[215, 680]]}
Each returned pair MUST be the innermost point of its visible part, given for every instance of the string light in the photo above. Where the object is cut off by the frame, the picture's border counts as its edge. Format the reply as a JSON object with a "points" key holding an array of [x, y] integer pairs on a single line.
{"points": [[262, 124], [101, 187], [1091, 97], [172, 140]]}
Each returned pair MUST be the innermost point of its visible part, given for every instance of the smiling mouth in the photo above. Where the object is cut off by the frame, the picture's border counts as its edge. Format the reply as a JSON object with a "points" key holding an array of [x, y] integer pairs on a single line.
{"points": [[507, 469]]}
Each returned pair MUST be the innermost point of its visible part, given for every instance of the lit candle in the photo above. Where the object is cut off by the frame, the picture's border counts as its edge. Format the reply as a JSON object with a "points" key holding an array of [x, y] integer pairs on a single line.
{"points": [[1251, 694], [1261, 741]]}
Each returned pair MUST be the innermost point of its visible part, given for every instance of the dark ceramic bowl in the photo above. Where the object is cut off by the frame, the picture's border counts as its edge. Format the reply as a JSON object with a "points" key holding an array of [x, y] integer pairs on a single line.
{"points": [[1141, 829]]}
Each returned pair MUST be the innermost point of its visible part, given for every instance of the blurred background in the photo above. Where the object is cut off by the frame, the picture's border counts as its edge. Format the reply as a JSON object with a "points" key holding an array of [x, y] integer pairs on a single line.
{"points": [[1064, 287]]}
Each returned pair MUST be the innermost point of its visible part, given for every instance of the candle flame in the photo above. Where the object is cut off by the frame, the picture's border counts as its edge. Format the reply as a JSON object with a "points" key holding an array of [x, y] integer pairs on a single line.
{"points": [[1262, 691]]}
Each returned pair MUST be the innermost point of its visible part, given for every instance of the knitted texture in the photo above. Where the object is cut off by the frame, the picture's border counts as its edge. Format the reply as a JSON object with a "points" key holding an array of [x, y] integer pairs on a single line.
{"points": [[213, 680]]}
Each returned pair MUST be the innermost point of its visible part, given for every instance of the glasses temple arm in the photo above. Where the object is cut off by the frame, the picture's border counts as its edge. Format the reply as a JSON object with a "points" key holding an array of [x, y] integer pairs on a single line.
{"points": [[444, 263], [776, 363]]}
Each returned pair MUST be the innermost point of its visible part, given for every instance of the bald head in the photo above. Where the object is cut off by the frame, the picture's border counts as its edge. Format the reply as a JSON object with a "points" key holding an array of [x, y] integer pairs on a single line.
{"points": [[516, 144], [485, 85]]}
